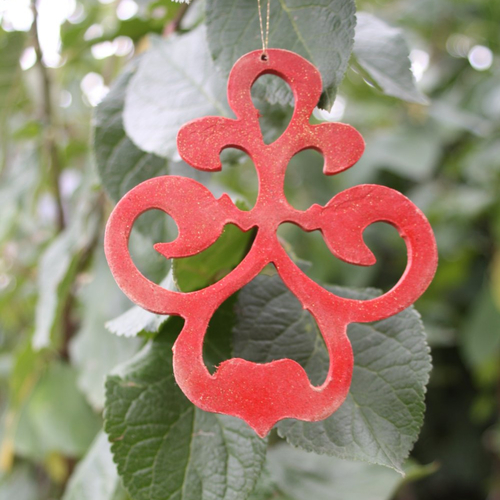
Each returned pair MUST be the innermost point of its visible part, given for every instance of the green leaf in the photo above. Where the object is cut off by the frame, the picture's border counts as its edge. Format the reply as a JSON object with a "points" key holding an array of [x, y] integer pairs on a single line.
{"points": [[480, 342], [211, 265], [322, 32], [19, 182], [56, 417], [453, 117], [94, 351], [137, 320], [95, 477], [303, 476], [381, 50], [11, 48], [167, 448], [176, 82], [410, 152], [56, 274], [266, 488], [382, 415], [57, 270], [120, 163], [27, 368], [218, 346]]}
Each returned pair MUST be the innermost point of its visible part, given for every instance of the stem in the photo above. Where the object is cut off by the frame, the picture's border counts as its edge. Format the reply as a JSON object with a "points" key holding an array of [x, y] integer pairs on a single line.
{"points": [[173, 25], [47, 112]]}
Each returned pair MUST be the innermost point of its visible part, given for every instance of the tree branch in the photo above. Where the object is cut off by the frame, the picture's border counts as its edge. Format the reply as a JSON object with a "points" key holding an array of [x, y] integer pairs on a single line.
{"points": [[173, 25], [47, 116]]}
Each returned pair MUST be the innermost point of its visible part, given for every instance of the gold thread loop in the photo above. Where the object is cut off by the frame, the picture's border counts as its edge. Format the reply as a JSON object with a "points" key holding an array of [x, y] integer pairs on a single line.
{"points": [[264, 38]]}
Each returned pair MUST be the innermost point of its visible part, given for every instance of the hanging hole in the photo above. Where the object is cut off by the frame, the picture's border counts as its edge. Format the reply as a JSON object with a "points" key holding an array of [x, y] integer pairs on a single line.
{"points": [[271, 96], [265, 322], [153, 226], [238, 178], [264, 57], [382, 239]]}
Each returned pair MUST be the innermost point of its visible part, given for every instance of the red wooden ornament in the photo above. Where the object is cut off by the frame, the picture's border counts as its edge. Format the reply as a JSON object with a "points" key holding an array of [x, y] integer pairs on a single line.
{"points": [[263, 394]]}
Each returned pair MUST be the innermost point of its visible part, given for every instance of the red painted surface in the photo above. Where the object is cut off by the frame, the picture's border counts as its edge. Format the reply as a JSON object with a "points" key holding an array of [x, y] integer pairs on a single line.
{"points": [[262, 394]]}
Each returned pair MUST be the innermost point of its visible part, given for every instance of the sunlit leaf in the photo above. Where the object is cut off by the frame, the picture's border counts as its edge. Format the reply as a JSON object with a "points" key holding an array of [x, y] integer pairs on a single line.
{"points": [[176, 82], [383, 53], [120, 163], [137, 320]]}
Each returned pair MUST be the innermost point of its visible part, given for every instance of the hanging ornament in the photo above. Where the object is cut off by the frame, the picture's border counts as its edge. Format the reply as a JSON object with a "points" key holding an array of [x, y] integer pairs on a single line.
{"points": [[263, 394]]}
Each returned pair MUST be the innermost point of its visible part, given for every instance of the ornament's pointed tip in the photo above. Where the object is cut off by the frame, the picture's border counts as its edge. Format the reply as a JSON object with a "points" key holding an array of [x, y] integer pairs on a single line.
{"points": [[262, 430], [261, 427]]}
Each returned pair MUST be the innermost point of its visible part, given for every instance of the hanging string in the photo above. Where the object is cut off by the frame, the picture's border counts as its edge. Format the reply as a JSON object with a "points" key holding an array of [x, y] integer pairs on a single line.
{"points": [[264, 38]]}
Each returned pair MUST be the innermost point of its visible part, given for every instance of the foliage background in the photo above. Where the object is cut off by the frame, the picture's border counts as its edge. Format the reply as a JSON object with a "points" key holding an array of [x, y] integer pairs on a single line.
{"points": [[56, 192]]}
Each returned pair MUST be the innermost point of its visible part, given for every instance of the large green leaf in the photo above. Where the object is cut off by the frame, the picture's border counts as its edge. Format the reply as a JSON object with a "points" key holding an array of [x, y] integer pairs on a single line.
{"points": [[382, 52], [56, 417], [382, 415], [95, 477], [95, 351], [303, 476], [176, 82], [120, 163], [166, 448], [322, 32]]}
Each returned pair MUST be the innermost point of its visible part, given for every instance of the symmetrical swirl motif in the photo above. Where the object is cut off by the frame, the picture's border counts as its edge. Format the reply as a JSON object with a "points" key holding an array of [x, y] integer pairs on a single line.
{"points": [[263, 394]]}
